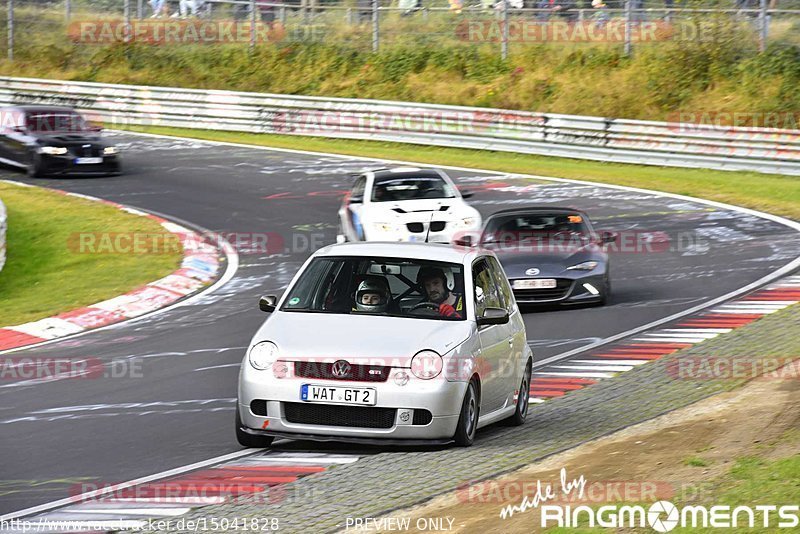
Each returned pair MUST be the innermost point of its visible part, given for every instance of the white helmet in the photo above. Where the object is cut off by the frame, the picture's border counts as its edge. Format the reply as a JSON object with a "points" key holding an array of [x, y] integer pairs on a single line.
{"points": [[373, 284]]}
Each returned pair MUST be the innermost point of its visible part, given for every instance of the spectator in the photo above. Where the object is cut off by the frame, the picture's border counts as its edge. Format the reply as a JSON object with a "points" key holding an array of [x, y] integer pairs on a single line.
{"points": [[158, 8], [600, 16], [409, 6], [184, 6], [266, 10], [565, 8]]}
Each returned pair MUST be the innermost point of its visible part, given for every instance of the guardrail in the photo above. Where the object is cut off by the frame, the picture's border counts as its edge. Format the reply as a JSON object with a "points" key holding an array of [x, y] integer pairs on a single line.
{"points": [[595, 138], [3, 222]]}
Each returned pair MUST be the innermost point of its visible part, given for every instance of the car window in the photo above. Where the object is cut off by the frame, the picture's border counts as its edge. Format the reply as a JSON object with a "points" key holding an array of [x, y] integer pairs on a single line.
{"points": [[506, 295], [395, 189], [348, 285], [359, 187], [538, 226], [486, 293]]}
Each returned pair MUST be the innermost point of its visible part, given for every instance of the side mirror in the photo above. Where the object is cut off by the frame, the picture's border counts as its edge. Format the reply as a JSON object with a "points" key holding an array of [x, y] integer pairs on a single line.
{"points": [[608, 237], [19, 129], [267, 303], [356, 200], [463, 241], [467, 193], [493, 316]]}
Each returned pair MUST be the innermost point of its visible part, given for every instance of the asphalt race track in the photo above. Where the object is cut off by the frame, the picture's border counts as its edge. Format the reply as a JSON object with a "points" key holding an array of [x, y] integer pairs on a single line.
{"points": [[174, 405]]}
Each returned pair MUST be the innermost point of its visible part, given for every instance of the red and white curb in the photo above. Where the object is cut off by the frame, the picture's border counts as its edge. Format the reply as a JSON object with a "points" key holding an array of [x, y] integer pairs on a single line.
{"points": [[259, 477], [200, 265], [559, 378]]}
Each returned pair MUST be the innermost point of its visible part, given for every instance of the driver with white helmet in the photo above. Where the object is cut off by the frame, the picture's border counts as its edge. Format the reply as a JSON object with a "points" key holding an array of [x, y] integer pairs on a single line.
{"points": [[373, 295]]}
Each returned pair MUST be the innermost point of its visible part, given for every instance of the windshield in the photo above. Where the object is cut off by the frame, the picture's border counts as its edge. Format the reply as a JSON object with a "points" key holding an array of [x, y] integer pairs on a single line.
{"points": [[393, 189], [392, 287], [42, 122], [515, 228]]}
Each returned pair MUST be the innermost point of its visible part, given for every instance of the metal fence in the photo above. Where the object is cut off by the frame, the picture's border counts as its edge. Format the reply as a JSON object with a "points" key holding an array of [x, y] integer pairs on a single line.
{"points": [[503, 25], [3, 219], [597, 138]]}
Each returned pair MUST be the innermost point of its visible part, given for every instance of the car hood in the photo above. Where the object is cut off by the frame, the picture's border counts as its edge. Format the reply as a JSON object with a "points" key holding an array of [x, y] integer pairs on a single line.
{"points": [[68, 138], [549, 263], [421, 210], [365, 339]]}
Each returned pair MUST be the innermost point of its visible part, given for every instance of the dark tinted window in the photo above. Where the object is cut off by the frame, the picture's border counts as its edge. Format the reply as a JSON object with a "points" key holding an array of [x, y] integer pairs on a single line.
{"points": [[393, 189]]}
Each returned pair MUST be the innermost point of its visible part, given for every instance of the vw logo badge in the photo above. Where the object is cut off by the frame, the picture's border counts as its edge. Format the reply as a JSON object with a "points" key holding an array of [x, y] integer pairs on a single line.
{"points": [[340, 369], [533, 271]]}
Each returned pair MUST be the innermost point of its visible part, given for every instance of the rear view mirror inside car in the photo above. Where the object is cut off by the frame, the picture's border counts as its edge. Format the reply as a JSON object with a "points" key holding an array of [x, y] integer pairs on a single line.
{"points": [[378, 268]]}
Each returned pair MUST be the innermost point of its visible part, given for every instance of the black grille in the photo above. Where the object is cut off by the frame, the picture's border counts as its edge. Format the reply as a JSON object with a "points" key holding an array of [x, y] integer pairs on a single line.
{"points": [[85, 152], [415, 227], [563, 286], [358, 373], [259, 407], [438, 226], [422, 417], [332, 415]]}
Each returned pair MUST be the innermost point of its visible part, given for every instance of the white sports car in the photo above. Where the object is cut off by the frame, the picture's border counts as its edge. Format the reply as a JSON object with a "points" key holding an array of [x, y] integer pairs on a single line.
{"points": [[406, 204]]}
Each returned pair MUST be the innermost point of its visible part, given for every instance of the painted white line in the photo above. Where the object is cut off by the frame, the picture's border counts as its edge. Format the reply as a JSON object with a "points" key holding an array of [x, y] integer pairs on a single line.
{"points": [[225, 365], [155, 511], [536, 400], [193, 501], [663, 335], [781, 303], [613, 362], [691, 340], [602, 368], [297, 459], [574, 375], [123, 485], [698, 330], [746, 311]]}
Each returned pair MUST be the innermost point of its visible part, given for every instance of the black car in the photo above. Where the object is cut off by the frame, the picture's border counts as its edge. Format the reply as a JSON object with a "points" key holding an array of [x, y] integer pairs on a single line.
{"points": [[550, 255], [54, 140]]}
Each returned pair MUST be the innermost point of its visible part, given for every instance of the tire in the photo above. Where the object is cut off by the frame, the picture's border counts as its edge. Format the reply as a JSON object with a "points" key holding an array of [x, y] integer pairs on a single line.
{"points": [[248, 440], [521, 413], [34, 169], [468, 418]]}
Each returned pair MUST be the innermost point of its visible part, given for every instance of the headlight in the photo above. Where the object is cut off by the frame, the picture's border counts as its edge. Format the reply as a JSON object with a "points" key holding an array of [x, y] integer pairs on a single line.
{"points": [[52, 150], [383, 227], [263, 355], [585, 266], [110, 150], [467, 222], [426, 364]]}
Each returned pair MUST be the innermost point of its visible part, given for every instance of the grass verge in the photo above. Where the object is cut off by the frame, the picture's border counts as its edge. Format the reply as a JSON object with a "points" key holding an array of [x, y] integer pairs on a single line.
{"points": [[45, 274], [765, 192]]}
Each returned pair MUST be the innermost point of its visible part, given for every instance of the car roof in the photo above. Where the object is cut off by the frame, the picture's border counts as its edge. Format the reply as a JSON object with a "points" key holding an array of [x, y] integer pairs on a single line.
{"points": [[396, 249], [536, 209], [405, 172]]}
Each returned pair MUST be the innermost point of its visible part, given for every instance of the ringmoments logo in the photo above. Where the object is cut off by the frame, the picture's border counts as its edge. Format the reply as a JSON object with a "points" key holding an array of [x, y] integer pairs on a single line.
{"points": [[661, 516]]}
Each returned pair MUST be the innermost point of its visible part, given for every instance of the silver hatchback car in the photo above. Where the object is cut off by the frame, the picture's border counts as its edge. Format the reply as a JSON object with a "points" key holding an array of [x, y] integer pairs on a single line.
{"points": [[387, 343]]}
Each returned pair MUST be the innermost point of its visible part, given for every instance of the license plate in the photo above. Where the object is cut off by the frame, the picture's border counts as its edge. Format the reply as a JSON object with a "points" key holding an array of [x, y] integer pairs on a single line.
{"points": [[88, 161], [537, 283], [337, 395]]}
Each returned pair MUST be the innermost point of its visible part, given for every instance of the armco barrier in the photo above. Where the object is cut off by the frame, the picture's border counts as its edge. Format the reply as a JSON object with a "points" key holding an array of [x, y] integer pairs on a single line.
{"points": [[595, 138], [3, 223]]}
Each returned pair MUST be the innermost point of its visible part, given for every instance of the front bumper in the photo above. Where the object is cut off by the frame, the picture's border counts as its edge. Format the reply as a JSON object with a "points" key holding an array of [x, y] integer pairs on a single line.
{"points": [[567, 291], [419, 232], [441, 398], [66, 164]]}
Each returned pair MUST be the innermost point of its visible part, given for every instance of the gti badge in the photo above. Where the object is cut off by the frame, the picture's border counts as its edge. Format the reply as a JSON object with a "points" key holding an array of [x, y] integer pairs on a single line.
{"points": [[533, 271], [340, 369]]}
